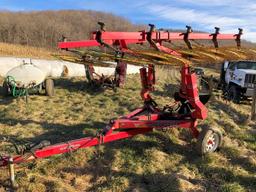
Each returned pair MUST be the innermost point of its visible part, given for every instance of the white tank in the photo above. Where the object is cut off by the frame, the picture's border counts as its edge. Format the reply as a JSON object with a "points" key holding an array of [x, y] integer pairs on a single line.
{"points": [[27, 75], [58, 68]]}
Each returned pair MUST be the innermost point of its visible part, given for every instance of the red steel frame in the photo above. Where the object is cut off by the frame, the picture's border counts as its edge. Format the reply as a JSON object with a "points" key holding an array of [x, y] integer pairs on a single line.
{"points": [[140, 37], [132, 124], [148, 117], [125, 38]]}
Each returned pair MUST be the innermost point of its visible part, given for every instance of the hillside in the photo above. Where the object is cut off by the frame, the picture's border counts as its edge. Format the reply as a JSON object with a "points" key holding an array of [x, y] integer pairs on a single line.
{"points": [[45, 28], [158, 161]]}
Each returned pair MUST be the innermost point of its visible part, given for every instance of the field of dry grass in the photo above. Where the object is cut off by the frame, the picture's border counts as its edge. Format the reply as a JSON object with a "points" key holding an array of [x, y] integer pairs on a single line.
{"points": [[24, 51], [158, 161]]}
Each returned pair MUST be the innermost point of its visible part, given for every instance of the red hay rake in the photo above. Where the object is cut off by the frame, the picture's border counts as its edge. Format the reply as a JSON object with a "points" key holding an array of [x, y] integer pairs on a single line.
{"points": [[149, 116]]}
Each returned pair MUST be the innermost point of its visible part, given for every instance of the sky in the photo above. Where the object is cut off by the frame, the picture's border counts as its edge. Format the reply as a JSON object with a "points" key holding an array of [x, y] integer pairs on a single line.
{"points": [[202, 15]]}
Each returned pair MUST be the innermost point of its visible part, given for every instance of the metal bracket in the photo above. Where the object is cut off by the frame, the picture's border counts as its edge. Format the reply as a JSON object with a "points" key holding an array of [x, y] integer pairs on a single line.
{"points": [[99, 33], [102, 26], [64, 39], [238, 37], [98, 37], [215, 37], [152, 28], [186, 36]]}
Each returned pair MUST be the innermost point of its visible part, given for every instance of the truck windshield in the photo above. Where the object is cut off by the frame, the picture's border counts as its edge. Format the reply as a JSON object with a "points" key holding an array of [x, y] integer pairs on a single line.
{"points": [[246, 65]]}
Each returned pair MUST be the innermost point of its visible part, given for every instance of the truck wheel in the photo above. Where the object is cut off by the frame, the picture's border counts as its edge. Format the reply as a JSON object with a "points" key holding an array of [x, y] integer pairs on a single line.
{"points": [[234, 94], [209, 140], [49, 87]]}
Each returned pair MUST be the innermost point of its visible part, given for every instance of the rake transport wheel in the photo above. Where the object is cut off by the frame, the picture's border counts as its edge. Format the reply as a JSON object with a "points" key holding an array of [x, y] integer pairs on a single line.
{"points": [[209, 140], [49, 87]]}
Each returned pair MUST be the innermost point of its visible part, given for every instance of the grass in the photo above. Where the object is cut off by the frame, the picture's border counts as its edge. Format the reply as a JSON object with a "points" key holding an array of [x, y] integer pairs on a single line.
{"points": [[158, 161], [25, 51]]}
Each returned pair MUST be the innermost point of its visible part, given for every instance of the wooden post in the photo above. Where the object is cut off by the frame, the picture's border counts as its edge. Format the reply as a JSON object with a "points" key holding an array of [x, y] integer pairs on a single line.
{"points": [[253, 115], [12, 173]]}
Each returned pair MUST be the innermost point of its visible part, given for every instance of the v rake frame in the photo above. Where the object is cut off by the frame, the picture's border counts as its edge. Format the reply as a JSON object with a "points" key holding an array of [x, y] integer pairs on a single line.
{"points": [[143, 120]]}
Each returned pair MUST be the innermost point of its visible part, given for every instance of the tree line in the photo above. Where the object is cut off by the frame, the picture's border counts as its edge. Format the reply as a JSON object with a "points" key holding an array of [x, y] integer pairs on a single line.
{"points": [[45, 28]]}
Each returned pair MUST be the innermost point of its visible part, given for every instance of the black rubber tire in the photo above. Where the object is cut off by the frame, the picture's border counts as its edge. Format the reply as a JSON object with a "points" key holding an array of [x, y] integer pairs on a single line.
{"points": [[49, 87], [234, 94], [5, 89], [204, 98], [205, 91], [209, 140]]}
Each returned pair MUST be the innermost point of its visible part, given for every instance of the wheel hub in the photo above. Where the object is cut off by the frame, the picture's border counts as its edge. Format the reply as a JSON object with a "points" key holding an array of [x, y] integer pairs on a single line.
{"points": [[211, 143]]}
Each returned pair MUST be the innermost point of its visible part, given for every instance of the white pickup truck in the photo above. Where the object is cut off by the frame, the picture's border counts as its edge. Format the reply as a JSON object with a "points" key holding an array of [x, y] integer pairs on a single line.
{"points": [[238, 79]]}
